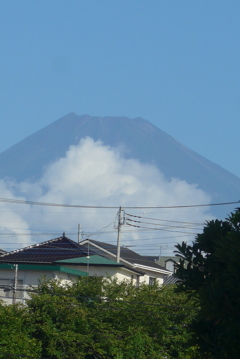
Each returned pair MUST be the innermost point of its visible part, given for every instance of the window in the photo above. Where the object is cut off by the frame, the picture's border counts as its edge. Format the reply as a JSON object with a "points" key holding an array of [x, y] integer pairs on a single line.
{"points": [[4, 283], [152, 281]]}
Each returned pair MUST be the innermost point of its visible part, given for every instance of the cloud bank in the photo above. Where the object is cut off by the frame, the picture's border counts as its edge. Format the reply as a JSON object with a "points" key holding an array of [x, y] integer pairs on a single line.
{"points": [[98, 175]]}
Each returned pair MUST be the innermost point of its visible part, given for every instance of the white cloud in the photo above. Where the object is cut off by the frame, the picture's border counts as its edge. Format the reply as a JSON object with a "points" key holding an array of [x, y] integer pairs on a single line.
{"points": [[14, 228], [94, 174]]}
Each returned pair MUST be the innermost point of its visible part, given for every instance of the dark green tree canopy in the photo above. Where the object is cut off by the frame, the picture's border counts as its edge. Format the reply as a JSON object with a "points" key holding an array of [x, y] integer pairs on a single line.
{"points": [[209, 270]]}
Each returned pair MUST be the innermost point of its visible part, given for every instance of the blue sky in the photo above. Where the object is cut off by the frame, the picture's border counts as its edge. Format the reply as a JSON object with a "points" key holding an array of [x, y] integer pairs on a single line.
{"points": [[174, 63]]}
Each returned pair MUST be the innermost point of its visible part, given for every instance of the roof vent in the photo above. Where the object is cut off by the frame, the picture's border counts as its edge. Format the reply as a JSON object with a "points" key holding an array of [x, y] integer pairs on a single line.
{"points": [[63, 234]]}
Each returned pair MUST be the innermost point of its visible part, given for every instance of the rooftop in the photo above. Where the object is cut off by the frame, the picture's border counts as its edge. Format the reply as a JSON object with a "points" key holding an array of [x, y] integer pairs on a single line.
{"points": [[46, 252], [125, 254], [92, 260]]}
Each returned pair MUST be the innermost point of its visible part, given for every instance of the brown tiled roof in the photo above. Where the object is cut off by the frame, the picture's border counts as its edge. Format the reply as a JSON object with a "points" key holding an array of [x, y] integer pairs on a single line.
{"points": [[46, 252]]}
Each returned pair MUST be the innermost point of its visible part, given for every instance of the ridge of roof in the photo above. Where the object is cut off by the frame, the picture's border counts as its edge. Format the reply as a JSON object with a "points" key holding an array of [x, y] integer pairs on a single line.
{"points": [[41, 244], [91, 260]]}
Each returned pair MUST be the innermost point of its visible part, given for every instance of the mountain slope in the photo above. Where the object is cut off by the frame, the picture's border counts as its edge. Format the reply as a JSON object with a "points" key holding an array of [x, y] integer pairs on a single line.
{"points": [[137, 137]]}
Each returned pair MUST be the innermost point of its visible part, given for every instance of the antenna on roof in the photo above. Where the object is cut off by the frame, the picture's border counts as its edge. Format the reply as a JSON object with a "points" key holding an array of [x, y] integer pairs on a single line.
{"points": [[79, 233]]}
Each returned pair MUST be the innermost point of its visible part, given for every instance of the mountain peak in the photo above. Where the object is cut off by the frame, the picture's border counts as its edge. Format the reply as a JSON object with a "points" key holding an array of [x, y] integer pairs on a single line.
{"points": [[142, 140]]}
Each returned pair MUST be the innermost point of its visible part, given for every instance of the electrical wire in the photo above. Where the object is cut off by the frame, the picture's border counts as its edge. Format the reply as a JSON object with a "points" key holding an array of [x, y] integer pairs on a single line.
{"points": [[35, 203], [164, 220], [102, 229], [157, 224], [158, 229]]}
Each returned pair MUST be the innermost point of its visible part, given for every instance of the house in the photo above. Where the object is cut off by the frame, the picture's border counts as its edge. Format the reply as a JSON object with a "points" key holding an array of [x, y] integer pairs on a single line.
{"points": [[99, 266], [149, 272], [29, 264], [60, 258], [168, 262]]}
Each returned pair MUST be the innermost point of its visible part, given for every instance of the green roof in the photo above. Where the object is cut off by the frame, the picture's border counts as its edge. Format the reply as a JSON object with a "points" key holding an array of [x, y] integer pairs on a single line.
{"points": [[38, 267], [92, 260]]}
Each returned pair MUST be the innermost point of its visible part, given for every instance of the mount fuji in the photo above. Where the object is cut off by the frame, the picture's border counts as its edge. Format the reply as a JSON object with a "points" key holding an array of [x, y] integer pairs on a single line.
{"points": [[134, 138]]}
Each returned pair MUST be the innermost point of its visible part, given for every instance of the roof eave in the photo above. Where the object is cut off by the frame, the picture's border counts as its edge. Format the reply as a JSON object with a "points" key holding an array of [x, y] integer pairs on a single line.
{"points": [[90, 264], [152, 269]]}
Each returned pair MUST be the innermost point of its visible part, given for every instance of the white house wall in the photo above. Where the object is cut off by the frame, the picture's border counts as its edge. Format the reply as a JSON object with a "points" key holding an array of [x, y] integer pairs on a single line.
{"points": [[148, 275], [119, 273], [29, 278]]}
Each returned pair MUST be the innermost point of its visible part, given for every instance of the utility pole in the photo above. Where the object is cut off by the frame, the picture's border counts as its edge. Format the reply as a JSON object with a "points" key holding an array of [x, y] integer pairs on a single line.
{"points": [[15, 284], [88, 257], [120, 223], [79, 228]]}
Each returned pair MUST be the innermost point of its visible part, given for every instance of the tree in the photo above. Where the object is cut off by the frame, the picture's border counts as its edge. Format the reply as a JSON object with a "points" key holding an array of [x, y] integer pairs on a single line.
{"points": [[16, 333], [210, 270], [102, 319]]}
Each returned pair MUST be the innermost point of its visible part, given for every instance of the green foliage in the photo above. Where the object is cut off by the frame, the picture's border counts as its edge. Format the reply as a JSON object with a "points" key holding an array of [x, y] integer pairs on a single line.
{"points": [[97, 318], [16, 333], [210, 270]]}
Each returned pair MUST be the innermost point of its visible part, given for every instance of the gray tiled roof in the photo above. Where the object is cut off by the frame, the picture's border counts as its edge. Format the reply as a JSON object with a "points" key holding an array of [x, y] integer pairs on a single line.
{"points": [[125, 253], [2, 252], [46, 252]]}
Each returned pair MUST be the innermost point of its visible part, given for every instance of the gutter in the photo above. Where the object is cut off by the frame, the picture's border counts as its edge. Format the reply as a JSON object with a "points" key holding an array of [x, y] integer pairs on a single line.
{"points": [[152, 269]]}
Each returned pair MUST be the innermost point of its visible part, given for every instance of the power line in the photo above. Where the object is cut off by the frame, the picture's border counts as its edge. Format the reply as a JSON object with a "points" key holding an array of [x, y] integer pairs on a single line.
{"points": [[35, 203], [159, 224], [164, 220], [103, 229], [149, 239], [158, 229]]}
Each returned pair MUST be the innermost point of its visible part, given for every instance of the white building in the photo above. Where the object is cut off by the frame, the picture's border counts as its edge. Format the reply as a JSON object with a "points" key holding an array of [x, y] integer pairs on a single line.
{"points": [[65, 260], [149, 271]]}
